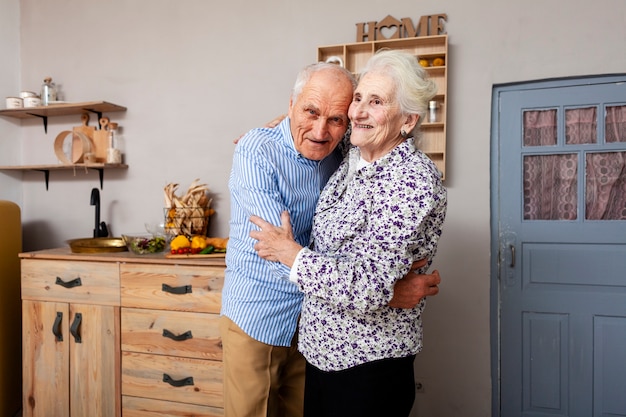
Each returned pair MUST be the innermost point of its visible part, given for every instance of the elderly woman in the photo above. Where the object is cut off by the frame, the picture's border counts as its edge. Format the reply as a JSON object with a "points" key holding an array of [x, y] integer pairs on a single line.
{"points": [[382, 210]]}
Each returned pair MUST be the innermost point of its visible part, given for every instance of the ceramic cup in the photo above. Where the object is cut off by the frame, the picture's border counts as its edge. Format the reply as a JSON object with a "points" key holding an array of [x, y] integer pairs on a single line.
{"points": [[32, 101], [14, 103]]}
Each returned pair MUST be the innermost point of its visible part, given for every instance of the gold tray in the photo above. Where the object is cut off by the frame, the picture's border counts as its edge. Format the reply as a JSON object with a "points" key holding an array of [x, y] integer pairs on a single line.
{"points": [[97, 245]]}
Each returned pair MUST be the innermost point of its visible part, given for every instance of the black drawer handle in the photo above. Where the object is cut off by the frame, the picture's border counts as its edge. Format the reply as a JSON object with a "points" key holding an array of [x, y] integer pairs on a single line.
{"points": [[180, 337], [56, 327], [78, 318], [185, 289], [76, 282], [179, 383]]}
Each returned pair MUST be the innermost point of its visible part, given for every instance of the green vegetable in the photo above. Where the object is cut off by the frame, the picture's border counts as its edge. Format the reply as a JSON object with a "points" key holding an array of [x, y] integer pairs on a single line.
{"points": [[207, 250]]}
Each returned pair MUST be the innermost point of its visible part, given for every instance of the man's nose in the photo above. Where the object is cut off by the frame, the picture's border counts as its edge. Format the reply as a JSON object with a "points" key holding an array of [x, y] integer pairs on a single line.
{"points": [[320, 129]]}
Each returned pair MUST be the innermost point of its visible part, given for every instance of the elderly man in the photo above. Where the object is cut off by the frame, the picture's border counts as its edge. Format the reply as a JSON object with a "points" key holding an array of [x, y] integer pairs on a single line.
{"points": [[277, 169]]}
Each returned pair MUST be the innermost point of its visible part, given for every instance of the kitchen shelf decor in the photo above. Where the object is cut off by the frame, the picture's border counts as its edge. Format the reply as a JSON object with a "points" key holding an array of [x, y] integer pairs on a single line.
{"points": [[100, 167], [65, 109], [62, 109], [430, 50]]}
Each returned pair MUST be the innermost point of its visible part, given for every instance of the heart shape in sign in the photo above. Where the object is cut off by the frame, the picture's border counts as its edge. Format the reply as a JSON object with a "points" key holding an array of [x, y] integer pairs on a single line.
{"points": [[388, 32]]}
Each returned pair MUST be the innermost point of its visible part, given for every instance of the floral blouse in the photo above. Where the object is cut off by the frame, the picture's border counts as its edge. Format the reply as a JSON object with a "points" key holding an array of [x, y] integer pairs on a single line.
{"points": [[370, 225]]}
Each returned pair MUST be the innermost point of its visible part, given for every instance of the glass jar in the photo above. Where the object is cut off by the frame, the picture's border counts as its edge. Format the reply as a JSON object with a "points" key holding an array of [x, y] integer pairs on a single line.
{"points": [[114, 155], [432, 111], [48, 91]]}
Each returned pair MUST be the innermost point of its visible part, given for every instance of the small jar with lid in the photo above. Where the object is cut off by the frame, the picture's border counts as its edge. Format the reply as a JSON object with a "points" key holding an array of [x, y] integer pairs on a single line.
{"points": [[48, 91], [114, 154], [432, 111]]}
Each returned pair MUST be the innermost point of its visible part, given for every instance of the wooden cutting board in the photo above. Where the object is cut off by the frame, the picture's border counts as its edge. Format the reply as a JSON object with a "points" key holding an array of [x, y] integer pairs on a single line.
{"points": [[198, 256], [77, 146], [101, 140]]}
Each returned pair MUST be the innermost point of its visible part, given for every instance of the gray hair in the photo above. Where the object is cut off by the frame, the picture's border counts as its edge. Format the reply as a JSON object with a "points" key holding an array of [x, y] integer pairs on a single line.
{"points": [[414, 89], [307, 72]]}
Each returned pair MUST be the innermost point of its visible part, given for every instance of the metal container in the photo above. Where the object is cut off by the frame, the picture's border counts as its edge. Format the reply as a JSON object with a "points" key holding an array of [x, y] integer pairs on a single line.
{"points": [[48, 91]]}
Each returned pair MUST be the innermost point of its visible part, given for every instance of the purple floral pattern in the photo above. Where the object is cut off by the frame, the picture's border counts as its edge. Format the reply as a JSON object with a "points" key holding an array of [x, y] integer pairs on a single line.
{"points": [[370, 225]]}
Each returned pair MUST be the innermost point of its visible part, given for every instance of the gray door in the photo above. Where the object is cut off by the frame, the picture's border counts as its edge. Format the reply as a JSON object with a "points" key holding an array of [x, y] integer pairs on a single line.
{"points": [[559, 248]]}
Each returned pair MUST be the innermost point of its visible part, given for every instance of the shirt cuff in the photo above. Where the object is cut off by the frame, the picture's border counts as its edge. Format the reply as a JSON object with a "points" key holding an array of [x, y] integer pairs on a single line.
{"points": [[293, 274]]}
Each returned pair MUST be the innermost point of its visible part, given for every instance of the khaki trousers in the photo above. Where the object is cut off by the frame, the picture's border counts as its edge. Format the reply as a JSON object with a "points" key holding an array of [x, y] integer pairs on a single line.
{"points": [[260, 380]]}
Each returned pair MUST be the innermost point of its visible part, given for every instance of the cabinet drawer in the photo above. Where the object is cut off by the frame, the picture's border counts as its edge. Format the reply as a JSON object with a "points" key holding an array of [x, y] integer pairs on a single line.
{"points": [[172, 287], [71, 281], [191, 381], [145, 407], [156, 331]]}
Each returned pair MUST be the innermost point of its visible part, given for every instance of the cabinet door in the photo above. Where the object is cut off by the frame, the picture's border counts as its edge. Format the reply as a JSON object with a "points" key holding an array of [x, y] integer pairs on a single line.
{"points": [[94, 360], [71, 360], [45, 335]]}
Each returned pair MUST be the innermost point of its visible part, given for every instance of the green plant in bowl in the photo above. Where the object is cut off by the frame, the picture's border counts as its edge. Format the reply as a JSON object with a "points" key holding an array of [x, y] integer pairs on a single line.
{"points": [[143, 244]]}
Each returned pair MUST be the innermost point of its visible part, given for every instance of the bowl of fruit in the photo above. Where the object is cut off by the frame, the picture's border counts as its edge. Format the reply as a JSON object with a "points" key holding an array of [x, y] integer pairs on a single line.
{"points": [[145, 243]]}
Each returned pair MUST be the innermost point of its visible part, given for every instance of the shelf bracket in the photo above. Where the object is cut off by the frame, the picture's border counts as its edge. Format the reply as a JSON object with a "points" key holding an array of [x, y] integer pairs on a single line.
{"points": [[45, 121], [99, 113], [46, 174], [101, 173]]}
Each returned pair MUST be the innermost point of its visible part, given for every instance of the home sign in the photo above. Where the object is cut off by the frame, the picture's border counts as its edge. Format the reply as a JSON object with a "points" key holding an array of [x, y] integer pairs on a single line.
{"points": [[392, 28]]}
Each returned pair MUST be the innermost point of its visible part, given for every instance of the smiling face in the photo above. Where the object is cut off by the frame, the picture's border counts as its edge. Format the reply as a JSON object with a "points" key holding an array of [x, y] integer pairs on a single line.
{"points": [[376, 116], [319, 116]]}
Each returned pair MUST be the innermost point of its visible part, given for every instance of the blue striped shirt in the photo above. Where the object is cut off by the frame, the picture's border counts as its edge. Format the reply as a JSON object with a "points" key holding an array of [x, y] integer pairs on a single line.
{"points": [[268, 176]]}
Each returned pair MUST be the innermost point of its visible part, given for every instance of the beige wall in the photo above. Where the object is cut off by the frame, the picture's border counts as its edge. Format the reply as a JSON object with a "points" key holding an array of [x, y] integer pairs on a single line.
{"points": [[195, 74], [10, 186]]}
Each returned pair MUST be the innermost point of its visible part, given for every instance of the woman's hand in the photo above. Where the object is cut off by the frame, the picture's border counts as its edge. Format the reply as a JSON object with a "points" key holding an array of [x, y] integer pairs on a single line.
{"points": [[275, 243]]}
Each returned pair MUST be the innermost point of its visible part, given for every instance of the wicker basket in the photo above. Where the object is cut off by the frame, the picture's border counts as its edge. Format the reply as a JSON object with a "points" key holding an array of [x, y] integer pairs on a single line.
{"points": [[188, 221]]}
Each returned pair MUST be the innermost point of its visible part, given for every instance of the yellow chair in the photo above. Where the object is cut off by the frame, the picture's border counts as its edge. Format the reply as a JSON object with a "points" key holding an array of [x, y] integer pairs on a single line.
{"points": [[10, 309]]}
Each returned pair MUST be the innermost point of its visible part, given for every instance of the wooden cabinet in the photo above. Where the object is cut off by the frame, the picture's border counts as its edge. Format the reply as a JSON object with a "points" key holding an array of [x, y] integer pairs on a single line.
{"points": [[121, 334], [70, 338], [431, 49], [171, 347]]}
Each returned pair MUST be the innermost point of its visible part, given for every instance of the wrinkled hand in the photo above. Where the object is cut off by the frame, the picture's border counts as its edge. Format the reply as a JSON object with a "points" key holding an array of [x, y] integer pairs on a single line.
{"points": [[275, 243], [413, 287]]}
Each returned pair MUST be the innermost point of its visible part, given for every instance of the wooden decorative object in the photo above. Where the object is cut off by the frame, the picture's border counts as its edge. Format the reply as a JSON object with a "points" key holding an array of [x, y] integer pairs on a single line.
{"points": [[101, 140]]}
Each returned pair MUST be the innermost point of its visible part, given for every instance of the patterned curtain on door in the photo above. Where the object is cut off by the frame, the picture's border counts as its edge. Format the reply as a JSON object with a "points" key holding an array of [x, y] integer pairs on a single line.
{"points": [[550, 180], [606, 172]]}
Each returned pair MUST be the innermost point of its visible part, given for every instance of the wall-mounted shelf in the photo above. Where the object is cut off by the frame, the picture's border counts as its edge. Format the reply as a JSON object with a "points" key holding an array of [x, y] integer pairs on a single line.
{"points": [[75, 167], [62, 109]]}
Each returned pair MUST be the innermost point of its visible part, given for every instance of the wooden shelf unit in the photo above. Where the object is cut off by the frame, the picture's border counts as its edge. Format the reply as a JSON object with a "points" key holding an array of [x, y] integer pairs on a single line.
{"points": [[355, 55], [63, 109], [100, 167]]}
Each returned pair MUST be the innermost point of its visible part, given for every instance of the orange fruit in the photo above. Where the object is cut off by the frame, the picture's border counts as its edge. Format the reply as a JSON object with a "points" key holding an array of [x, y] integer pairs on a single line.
{"points": [[424, 62], [438, 62]]}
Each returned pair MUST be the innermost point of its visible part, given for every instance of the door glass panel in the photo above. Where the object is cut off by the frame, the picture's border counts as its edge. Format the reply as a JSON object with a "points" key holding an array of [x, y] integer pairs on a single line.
{"points": [[540, 127], [605, 197], [550, 187], [615, 124], [581, 126]]}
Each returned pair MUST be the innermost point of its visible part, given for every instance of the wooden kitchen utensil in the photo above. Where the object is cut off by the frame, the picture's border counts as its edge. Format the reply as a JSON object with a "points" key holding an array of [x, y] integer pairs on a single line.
{"points": [[78, 147], [101, 140]]}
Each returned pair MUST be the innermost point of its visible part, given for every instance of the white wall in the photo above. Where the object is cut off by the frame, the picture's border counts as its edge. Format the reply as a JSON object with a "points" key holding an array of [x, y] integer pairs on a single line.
{"points": [[195, 74], [10, 185]]}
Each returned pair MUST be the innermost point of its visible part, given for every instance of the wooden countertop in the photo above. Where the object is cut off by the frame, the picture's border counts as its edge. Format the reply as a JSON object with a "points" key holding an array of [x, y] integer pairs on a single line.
{"points": [[64, 253]]}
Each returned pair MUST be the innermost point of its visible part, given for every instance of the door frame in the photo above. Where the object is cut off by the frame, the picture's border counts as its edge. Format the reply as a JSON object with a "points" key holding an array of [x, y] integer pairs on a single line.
{"points": [[496, 256]]}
